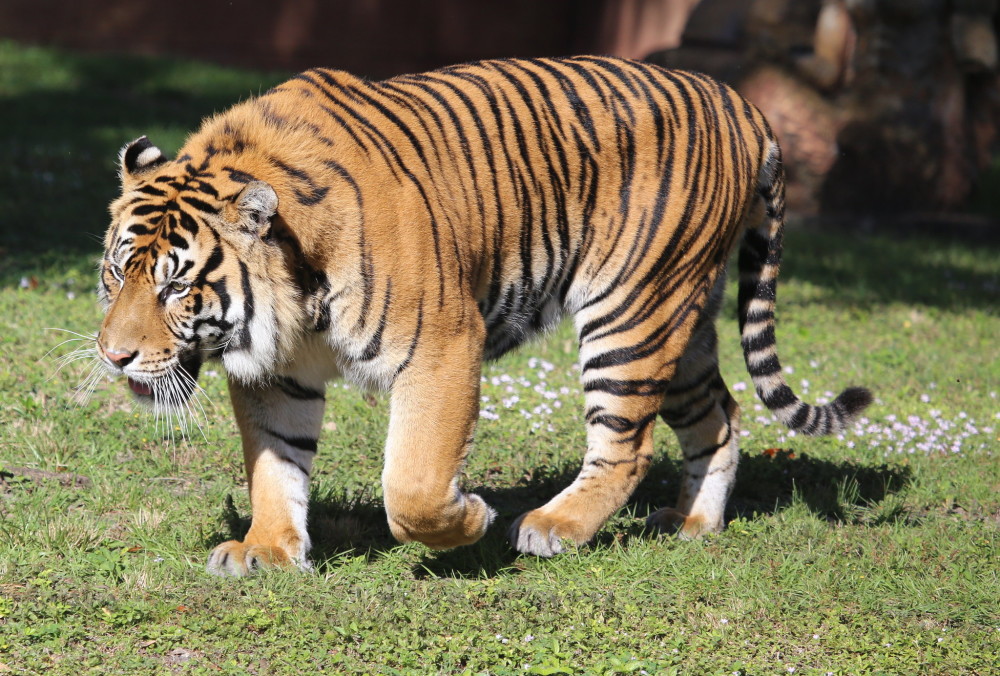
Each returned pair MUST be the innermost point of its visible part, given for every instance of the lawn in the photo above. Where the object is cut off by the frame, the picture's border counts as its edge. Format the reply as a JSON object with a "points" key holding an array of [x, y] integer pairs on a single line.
{"points": [[876, 552]]}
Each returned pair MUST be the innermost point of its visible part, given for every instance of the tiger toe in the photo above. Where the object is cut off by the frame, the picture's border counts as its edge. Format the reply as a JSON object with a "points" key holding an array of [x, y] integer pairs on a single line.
{"points": [[545, 535], [238, 559]]}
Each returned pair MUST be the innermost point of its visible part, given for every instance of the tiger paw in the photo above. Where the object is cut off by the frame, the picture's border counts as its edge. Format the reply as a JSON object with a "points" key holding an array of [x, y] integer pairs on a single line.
{"points": [[462, 522], [238, 559], [546, 535], [686, 527]]}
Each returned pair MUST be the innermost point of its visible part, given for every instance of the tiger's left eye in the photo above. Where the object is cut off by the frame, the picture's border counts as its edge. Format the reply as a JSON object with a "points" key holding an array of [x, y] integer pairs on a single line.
{"points": [[178, 286]]}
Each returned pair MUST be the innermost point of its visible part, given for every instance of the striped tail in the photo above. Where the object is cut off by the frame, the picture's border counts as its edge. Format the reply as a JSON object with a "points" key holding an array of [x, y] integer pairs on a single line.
{"points": [[759, 260]]}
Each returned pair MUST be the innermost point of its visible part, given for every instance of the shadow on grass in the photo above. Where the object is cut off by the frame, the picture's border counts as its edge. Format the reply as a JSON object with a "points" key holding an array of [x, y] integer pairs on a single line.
{"points": [[860, 269], [842, 492]]}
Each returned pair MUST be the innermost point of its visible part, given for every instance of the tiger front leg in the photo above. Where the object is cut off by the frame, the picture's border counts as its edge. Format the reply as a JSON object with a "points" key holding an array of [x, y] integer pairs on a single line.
{"points": [[433, 412], [279, 424]]}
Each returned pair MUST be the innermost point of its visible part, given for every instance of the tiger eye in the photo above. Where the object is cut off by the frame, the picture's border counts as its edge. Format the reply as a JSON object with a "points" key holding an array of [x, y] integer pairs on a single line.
{"points": [[178, 286]]}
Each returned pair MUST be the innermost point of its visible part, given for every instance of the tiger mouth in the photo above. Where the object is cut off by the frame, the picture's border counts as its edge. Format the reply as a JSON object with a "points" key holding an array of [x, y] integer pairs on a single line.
{"points": [[171, 389]]}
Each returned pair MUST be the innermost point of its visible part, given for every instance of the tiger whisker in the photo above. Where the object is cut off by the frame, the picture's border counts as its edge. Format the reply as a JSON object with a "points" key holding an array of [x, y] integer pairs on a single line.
{"points": [[57, 346], [85, 389], [88, 336]]}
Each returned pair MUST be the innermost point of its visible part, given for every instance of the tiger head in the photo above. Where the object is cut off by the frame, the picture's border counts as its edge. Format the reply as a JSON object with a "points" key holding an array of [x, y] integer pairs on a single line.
{"points": [[191, 271]]}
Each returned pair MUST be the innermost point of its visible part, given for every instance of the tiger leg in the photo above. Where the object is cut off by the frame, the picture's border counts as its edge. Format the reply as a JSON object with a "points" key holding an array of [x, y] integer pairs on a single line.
{"points": [[705, 418], [622, 401], [434, 407], [280, 425]]}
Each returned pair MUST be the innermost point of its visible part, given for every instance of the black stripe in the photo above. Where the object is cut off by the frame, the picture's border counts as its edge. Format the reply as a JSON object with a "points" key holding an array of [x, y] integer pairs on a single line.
{"points": [[374, 346], [199, 204], [297, 390], [766, 367], [761, 340], [680, 422], [145, 209], [416, 339], [780, 397], [643, 388], [307, 444], [800, 416]]}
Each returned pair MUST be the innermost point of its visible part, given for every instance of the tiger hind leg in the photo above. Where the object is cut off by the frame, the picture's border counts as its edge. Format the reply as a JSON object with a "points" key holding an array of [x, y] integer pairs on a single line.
{"points": [[619, 452], [624, 376], [705, 417]]}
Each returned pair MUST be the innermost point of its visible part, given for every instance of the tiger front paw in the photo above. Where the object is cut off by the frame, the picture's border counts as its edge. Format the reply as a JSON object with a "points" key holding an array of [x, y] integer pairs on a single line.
{"points": [[543, 534], [463, 521], [239, 559]]}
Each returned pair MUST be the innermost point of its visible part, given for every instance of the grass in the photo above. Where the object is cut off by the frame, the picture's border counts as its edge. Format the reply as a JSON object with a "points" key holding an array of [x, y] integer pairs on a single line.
{"points": [[874, 553]]}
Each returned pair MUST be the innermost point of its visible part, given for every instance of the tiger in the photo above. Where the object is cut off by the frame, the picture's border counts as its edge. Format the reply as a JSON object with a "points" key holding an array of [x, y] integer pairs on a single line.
{"points": [[399, 233]]}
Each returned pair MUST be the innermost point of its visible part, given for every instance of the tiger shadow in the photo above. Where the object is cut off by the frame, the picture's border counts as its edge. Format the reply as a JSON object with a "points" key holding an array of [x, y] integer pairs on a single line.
{"points": [[840, 492]]}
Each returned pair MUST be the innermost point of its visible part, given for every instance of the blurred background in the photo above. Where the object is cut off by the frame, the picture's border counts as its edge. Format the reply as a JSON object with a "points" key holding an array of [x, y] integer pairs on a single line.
{"points": [[888, 110]]}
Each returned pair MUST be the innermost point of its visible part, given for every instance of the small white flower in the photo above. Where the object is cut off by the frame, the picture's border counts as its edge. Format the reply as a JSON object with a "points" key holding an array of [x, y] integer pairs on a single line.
{"points": [[925, 398], [789, 370], [740, 386], [724, 621]]}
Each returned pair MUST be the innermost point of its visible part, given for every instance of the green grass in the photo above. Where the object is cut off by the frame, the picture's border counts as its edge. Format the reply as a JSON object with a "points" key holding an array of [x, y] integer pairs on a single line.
{"points": [[875, 553]]}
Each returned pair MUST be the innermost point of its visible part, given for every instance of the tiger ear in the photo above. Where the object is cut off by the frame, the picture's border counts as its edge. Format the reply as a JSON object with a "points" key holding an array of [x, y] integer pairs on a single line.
{"points": [[256, 205], [138, 157]]}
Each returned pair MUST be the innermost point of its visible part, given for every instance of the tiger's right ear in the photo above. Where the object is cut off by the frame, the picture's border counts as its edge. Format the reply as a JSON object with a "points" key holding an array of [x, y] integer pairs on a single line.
{"points": [[138, 157]]}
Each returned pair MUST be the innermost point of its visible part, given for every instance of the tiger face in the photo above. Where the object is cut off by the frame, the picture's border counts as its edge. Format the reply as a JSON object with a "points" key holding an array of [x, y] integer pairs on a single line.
{"points": [[177, 279]]}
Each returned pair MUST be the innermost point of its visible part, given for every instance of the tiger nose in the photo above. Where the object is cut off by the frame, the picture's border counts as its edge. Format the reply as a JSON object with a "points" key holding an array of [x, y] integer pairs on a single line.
{"points": [[119, 359]]}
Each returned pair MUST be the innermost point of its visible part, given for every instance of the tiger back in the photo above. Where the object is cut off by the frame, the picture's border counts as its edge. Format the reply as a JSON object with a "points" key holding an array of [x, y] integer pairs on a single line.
{"points": [[398, 233]]}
